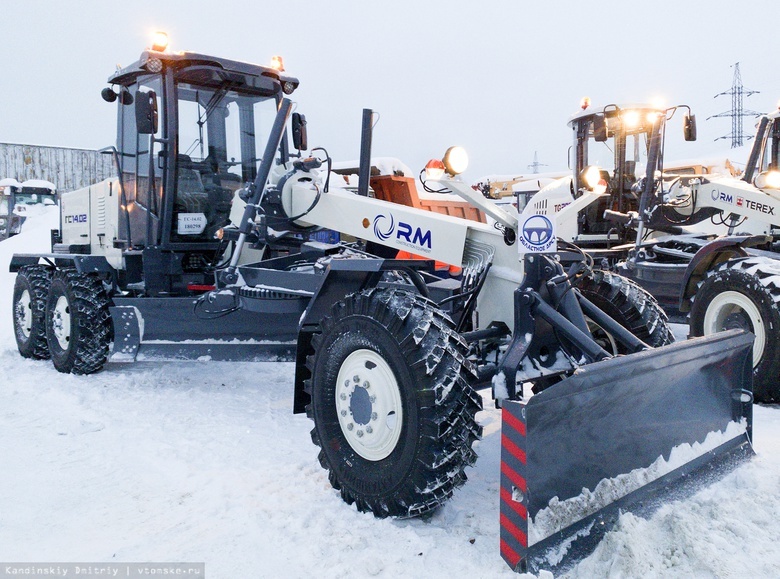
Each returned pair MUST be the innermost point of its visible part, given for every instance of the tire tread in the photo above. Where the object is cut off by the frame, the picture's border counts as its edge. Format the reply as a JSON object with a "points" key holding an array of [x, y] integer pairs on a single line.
{"points": [[447, 404], [90, 311], [38, 278]]}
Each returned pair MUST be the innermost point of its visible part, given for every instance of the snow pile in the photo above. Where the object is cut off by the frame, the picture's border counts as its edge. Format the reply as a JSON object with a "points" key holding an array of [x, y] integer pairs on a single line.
{"points": [[560, 514], [39, 184], [499, 386], [728, 529], [35, 238]]}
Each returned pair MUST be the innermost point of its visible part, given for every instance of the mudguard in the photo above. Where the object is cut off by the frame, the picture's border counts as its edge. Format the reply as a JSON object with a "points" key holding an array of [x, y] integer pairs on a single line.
{"points": [[621, 434], [708, 257]]}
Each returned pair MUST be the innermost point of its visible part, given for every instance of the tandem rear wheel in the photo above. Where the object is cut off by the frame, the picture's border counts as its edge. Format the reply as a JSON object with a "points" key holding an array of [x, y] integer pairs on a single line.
{"points": [[31, 289], [78, 324]]}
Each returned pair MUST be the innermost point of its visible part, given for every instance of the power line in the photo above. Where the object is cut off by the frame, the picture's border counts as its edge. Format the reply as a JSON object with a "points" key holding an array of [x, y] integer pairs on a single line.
{"points": [[737, 112], [536, 164]]}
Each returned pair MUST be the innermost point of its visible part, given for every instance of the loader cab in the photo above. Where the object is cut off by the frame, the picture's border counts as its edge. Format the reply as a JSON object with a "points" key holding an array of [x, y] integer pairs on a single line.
{"points": [[765, 151], [615, 139], [191, 132], [35, 192]]}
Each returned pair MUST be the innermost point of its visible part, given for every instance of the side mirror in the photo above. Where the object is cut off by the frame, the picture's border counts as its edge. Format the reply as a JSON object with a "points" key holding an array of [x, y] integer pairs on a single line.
{"points": [[300, 138], [146, 112], [108, 95], [599, 129], [125, 96], [689, 127]]}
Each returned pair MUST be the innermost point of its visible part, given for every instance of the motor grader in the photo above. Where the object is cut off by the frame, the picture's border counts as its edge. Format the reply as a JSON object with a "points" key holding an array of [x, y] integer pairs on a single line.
{"points": [[389, 358]]}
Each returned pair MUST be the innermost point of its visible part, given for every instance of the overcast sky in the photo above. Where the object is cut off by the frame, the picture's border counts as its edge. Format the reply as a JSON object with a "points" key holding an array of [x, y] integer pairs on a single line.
{"points": [[499, 78]]}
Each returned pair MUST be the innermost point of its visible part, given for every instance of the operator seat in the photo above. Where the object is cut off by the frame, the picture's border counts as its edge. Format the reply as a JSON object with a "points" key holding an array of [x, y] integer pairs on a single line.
{"points": [[191, 196]]}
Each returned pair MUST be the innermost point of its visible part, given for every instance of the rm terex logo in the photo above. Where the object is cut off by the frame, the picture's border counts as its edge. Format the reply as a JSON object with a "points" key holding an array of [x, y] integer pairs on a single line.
{"points": [[80, 218], [742, 202], [403, 233]]}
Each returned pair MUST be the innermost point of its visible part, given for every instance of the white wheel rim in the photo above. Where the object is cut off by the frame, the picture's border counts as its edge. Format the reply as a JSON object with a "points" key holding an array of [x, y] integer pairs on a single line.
{"points": [[368, 405], [24, 313], [727, 303], [60, 322]]}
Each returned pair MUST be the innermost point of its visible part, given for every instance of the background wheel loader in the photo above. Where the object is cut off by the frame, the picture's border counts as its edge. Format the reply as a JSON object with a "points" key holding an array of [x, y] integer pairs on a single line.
{"points": [[18, 201], [389, 358], [703, 245]]}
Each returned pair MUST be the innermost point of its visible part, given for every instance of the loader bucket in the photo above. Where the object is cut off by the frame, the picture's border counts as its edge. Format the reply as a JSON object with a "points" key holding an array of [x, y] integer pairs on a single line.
{"points": [[619, 435]]}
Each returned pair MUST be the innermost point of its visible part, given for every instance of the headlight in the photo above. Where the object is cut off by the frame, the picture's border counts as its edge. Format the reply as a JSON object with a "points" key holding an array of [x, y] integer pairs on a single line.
{"points": [[631, 119], [591, 175], [768, 180], [153, 65], [455, 160]]}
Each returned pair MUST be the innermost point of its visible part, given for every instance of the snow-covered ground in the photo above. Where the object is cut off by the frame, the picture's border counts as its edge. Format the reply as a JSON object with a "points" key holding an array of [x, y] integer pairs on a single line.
{"points": [[205, 462]]}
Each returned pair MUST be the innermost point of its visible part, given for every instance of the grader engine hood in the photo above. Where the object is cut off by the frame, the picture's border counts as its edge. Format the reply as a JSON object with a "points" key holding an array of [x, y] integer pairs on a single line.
{"points": [[74, 212], [89, 221]]}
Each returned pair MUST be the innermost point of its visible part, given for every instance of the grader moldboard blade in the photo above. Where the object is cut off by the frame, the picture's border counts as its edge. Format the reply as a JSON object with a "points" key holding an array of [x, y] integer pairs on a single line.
{"points": [[599, 442]]}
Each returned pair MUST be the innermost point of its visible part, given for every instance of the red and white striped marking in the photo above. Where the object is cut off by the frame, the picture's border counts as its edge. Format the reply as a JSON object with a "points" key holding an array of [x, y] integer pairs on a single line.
{"points": [[513, 511]]}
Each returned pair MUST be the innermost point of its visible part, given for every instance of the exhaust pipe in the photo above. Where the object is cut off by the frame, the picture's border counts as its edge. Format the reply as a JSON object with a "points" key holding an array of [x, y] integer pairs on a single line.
{"points": [[366, 136]]}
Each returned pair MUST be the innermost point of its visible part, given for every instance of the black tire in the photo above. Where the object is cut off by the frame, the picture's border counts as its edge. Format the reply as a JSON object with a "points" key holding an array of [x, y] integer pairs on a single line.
{"points": [[78, 324], [743, 293], [29, 311], [630, 305], [410, 465]]}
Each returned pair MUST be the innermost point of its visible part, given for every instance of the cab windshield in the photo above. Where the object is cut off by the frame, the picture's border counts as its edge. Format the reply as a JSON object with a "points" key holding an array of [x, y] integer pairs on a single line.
{"points": [[621, 154], [222, 134], [35, 195], [770, 147], [628, 144]]}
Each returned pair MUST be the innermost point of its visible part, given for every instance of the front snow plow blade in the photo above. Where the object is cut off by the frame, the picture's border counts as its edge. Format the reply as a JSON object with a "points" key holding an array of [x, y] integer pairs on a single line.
{"points": [[621, 434]]}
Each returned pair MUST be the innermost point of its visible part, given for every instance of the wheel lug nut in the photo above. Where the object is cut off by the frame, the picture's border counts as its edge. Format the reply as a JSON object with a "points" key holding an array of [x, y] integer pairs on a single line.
{"points": [[366, 385], [369, 430], [360, 433], [372, 399], [356, 379], [374, 416], [346, 383], [343, 396], [343, 412], [350, 426]]}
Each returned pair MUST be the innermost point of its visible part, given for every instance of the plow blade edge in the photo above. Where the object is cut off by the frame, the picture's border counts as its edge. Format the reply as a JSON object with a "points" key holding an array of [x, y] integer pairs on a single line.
{"points": [[627, 433]]}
